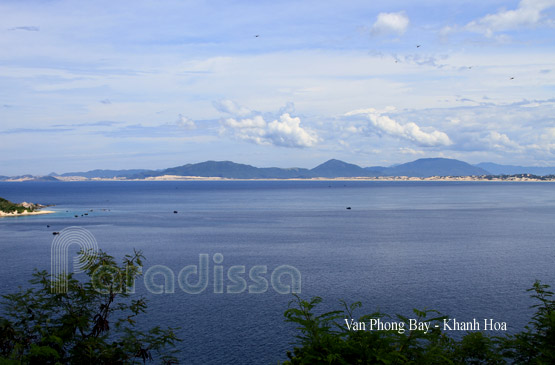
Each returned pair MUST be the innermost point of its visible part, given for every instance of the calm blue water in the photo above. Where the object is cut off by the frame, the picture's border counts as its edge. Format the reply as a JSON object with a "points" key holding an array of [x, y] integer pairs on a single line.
{"points": [[469, 250]]}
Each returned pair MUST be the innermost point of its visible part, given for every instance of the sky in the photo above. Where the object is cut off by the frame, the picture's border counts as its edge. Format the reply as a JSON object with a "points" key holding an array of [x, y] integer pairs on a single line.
{"points": [[154, 84]]}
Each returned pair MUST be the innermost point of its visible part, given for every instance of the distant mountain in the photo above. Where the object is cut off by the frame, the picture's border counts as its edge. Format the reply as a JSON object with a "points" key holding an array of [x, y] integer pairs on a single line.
{"points": [[375, 170], [105, 174], [496, 169], [426, 167], [333, 168], [42, 179], [227, 169], [337, 168], [28, 178]]}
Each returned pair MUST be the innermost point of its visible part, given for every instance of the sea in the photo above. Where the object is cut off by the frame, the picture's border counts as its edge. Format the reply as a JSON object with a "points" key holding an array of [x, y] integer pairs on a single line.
{"points": [[467, 249]]}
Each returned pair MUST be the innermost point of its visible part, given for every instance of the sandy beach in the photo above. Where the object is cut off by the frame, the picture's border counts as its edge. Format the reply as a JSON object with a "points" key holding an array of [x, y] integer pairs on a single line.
{"points": [[516, 178], [363, 178], [14, 214]]}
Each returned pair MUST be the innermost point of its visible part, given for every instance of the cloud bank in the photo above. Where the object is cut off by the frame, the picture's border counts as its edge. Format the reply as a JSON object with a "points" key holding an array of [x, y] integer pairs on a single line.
{"points": [[528, 13], [409, 131]]}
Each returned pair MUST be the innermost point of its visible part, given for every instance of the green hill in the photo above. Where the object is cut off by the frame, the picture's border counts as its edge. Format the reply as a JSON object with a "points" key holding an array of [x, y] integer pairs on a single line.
{"points": [[7, 206]]}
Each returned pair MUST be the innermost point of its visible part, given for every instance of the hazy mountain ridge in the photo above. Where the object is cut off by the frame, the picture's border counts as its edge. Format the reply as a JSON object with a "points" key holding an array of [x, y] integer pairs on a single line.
{"points": [[330, 169], [337, 168], [106, 174], [226, 169], [497, 169], [28, 178], [425, 167]]}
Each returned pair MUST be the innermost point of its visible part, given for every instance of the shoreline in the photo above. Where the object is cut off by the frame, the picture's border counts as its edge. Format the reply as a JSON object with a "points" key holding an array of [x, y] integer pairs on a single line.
{"points": [[361, 178], [15, 214]]}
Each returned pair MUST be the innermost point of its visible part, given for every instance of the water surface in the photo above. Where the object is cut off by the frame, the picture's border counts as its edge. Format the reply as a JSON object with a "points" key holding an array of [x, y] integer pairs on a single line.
{"points": [[468, 249]]}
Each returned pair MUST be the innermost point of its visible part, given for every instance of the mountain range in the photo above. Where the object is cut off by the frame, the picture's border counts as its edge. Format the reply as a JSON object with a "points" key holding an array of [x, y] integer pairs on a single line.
{"points": [[329, 169], [496, 169], [424, 167]]}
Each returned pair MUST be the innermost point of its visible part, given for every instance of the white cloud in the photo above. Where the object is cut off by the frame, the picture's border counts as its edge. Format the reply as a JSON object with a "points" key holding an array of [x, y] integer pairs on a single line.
{"points": [[410, 151], [501, 141], [549, 134], [286, 131], [354, 129], [231, 107], [409, 131], [390, 23], [528, 13], [251, 126], [185, 122], [244, 124]]}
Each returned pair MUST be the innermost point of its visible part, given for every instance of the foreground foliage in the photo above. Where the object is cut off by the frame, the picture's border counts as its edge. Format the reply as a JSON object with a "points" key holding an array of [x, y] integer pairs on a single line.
{"points": [[95, 322], [326, 339], [88, 323]]}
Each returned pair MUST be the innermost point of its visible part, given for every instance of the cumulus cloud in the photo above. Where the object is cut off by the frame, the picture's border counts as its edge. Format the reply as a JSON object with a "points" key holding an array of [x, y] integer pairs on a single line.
{"points": [[184, 122], [390, 23], [252, 126], [520, 132], [409, 131], [245, 124], [501, 141], [528, 13], [231, 107], [286, 131]]}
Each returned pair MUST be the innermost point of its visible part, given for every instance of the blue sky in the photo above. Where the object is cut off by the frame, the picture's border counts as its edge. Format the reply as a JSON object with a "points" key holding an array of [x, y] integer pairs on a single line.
{"points": [[155, 84]]}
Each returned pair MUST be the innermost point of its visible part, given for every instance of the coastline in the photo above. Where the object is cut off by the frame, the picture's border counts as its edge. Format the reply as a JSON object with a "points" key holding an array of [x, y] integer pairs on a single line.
{"points": [[362, 178], [518, 178], [15, 214]]}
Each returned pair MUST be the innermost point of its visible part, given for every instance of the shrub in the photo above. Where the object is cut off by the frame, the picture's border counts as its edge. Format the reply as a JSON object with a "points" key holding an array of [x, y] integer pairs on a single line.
{"points": [[92, 322], [326, 339]]}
